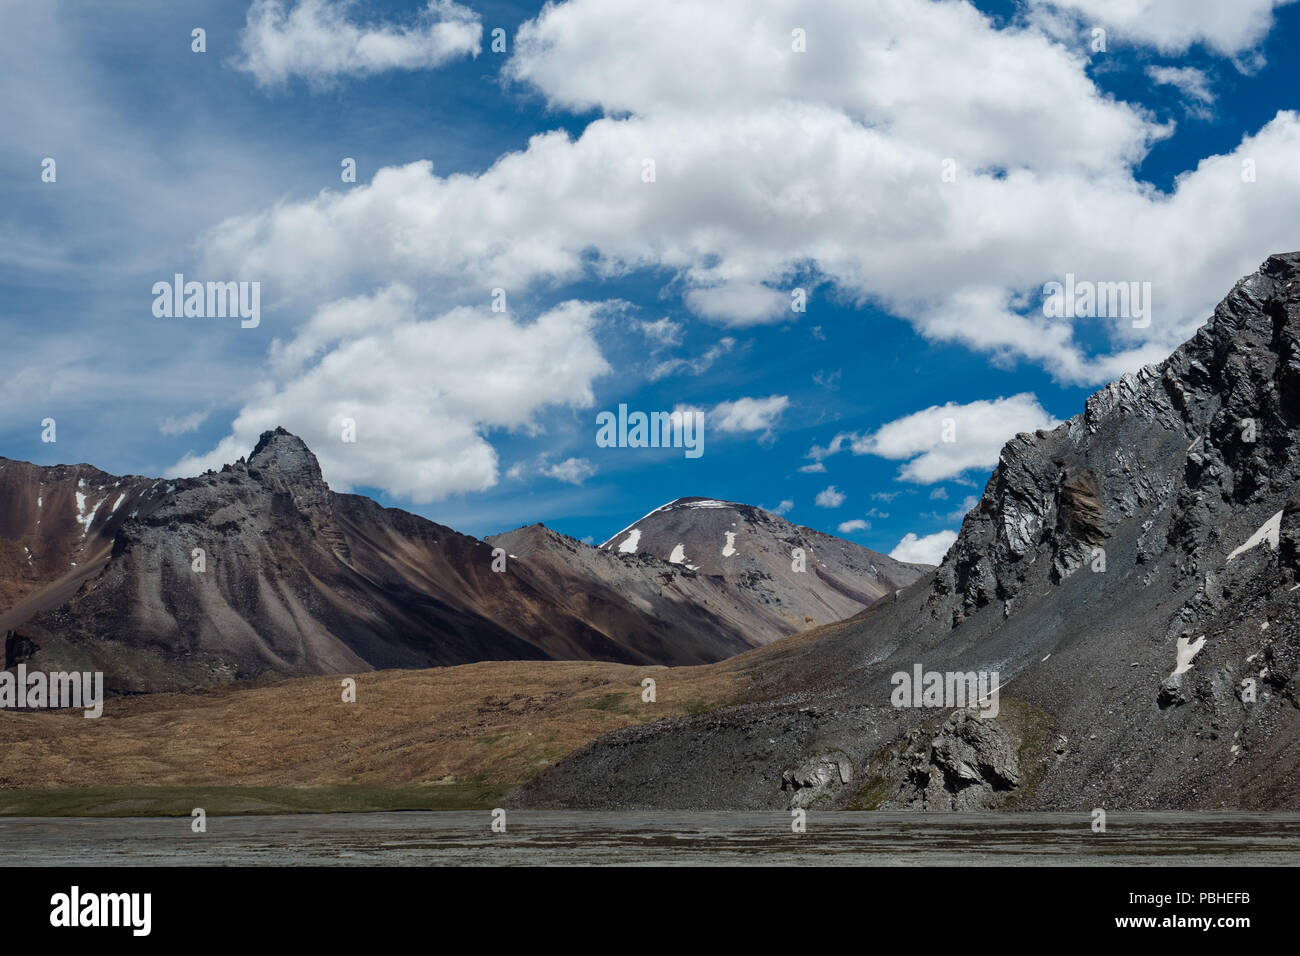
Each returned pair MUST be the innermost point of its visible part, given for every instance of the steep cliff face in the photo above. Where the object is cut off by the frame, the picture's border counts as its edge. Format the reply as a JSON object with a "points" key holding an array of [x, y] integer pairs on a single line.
{"points": [[1131, 576], [1188, 445]]}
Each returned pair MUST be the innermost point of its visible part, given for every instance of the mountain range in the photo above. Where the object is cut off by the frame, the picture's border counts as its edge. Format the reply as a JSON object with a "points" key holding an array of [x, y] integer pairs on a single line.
{"points": [[1131, 577], [261, 571]]}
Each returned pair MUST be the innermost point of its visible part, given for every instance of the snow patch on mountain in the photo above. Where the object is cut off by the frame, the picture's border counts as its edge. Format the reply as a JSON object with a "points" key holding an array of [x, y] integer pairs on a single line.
{"points": [[1270, 531]]}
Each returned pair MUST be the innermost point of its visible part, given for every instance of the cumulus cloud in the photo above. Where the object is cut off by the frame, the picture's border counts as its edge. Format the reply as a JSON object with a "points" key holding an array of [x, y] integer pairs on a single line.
{"points": [[1172, 26], [742, 416], [857, 524], [739, 303], [945, 441], [316, 40], [769, 161], [183, 425], [748, 414], [423, 392], [572, 470], [338, 321], [926, 550], [783, 508], [829, 498]]}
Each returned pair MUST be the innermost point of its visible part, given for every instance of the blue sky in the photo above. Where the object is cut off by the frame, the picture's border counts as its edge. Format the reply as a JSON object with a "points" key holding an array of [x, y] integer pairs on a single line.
{"points": [[776, 169]]}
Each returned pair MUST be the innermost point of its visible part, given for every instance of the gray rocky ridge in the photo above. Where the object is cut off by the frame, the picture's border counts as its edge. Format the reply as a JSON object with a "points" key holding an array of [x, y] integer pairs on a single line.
{"points": [[1132, 575]]}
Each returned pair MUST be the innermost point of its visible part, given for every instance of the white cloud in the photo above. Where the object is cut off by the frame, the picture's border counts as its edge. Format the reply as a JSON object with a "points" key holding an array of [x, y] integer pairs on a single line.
{"points": [[744, 415], [664, 333], [927, 550], [820, 453], [783, 508], [816, 468], [1194, 84], [857, 524], [340, 320], [748, 414], [1188, 80], [696, 366], [572, 470], [769, 161], [977, 431], [184, 425], [829, 498], [316, 40], [739, 303], [1172, 26], [939, 494], [424, 393]]}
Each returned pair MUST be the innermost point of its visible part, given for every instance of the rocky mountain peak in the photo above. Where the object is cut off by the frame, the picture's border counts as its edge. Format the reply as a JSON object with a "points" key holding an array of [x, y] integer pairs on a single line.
{"points": [[1130, 579], [283, 455], [283, 464], [1169, 452]]}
